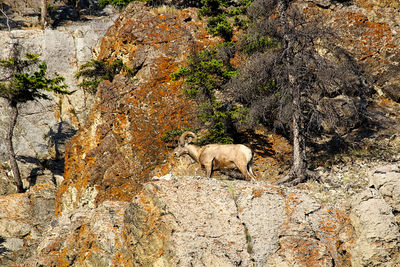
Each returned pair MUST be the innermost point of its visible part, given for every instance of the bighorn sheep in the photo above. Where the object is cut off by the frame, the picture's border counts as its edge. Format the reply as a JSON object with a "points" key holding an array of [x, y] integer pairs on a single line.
{"points": [[214, 156]]}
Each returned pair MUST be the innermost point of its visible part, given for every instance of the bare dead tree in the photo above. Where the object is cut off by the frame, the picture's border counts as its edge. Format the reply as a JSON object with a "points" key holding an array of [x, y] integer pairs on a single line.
{"points": [[284, 86]]}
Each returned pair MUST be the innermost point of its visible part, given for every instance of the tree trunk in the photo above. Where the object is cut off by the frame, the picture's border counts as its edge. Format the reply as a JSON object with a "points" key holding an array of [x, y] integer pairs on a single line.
{"points": [[298, 172], [13, 160], [299, 167], [43, 14]]}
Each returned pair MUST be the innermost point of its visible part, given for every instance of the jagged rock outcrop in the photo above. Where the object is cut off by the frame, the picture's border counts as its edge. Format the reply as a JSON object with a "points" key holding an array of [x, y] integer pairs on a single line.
{"points": [[109, 213], [87, 237], [121, 145], [191, 221], [385, 180], [26, 13], [374, 219], [378, 237]]}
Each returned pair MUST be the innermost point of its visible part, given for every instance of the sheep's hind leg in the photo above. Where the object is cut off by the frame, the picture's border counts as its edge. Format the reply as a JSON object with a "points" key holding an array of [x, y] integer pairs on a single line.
{"points": [[245, 172], [250, 171]]}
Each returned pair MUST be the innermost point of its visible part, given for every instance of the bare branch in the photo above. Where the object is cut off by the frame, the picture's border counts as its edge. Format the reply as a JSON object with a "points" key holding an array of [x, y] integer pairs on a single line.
{"points": [[7, 19]]}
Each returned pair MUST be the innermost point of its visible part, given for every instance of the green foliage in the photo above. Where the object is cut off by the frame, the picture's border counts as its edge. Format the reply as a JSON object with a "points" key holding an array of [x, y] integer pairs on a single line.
{"points": [[119, 3], [96, 71], [15, 64], [24, 85], [181, 72], [251, 44], [50, 7], [238, 13], [240, 8], [206, 74], [220, 26], [239, 114], [209, 70], [212, 8], [217, 135], [223, 15]]}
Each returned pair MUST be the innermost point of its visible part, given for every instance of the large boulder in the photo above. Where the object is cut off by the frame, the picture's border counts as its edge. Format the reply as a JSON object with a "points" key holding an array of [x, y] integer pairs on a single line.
{"points": [[377, 241]]}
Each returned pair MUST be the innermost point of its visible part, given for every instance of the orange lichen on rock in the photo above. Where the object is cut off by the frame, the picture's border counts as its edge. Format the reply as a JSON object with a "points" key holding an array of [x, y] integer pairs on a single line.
{"points": [[372, 36], [319, 243], [121, 144], [368, 29]]}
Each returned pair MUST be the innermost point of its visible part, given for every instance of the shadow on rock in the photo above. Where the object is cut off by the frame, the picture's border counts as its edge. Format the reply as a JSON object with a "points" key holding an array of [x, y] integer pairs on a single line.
{"points": [[46, 170]]}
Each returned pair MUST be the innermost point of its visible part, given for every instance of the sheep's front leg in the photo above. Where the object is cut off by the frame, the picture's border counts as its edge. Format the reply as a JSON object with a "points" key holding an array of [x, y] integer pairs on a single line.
{"points": [[208, 166]]}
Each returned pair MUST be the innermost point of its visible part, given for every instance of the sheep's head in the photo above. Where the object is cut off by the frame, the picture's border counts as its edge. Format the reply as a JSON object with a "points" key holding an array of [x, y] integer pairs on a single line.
{"points": [[185, 139]]}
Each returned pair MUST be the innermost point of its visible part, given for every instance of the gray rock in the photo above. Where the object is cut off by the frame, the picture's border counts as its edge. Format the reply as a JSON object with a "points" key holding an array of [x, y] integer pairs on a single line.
{"points": [[377, 240], [14, 228], [23, 219], [340, 111], [262, 212], [101, 227], [13, 244], [6, 185], [386, 179], [44, 126], [204, 221], [230, 222], [15, 215], [321, 3]]}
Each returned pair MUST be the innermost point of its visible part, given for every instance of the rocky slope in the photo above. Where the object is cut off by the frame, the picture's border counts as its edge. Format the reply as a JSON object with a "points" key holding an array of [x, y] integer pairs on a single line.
{"points": [[126, 201], [193, 221]]}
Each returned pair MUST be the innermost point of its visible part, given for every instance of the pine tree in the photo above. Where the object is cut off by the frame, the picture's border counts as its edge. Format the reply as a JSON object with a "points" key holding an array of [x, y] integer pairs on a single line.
{"points": [[22, 86]]}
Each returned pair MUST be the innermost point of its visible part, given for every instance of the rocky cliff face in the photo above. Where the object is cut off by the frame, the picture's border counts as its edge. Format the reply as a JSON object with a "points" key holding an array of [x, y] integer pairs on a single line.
{"points": [[44, 126], [126, 201], [120, 145], [370, 30]]}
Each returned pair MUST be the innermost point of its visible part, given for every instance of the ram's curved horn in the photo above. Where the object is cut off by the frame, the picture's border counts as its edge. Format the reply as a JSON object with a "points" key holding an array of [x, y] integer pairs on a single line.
{"points": [[182, 139]]}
